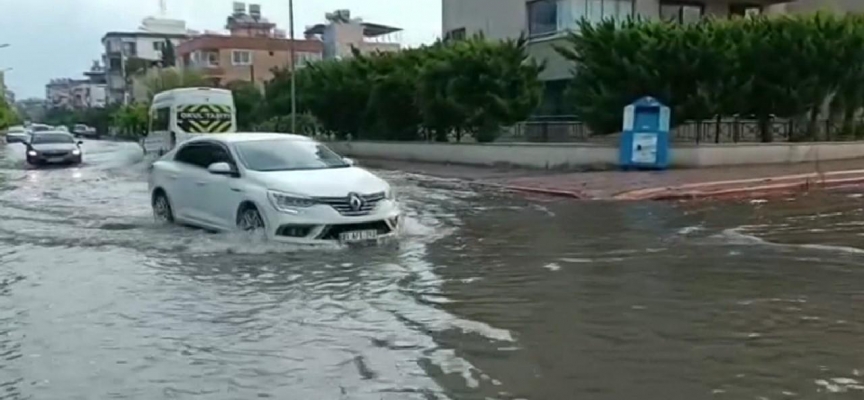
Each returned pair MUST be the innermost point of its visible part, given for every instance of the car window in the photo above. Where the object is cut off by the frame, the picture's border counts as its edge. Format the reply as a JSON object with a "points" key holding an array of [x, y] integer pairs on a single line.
{"points": [[160, 119], [45, 138], [287, 155], [203, 154], [216, 153], [191, 154]]}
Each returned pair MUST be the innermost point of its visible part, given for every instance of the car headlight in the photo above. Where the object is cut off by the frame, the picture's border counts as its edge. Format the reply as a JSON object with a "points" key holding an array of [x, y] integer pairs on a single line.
{"points": [[288, 202], [76, 152], [32, 153]]}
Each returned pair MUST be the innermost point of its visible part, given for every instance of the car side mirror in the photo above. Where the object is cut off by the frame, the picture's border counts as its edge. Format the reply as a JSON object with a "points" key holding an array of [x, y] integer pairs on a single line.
{"points": [[222, 168], [349, 161]]}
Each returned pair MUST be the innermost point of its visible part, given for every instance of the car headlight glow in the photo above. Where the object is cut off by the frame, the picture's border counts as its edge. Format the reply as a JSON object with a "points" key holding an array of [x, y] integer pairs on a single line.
{"points": [[32, 153], [288, 202], [76, 152]]}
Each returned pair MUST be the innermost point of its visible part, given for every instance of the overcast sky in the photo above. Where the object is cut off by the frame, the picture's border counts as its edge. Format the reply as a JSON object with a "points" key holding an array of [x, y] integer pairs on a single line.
{"points": [[61, 38]]}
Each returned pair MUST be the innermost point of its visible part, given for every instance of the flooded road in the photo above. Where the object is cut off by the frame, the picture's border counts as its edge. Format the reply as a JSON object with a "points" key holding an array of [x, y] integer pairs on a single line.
{"points": [[488, 296]]}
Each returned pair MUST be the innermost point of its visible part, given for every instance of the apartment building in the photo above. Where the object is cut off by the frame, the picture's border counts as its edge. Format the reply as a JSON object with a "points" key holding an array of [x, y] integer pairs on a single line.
{"points": [[249, 52], [146, 43], [341, 34], [546, 22]]}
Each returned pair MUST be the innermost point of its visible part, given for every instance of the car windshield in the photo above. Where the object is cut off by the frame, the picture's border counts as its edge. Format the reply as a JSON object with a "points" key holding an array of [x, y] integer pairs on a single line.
{"points": [[46, 138], [287, 155]]}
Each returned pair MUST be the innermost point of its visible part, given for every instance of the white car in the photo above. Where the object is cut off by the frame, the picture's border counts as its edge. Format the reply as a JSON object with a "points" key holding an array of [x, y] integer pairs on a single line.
{"points": [[289, 187], [17, 134]]}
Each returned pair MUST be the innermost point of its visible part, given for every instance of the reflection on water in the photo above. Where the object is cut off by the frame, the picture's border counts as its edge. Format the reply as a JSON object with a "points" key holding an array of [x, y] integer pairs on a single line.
{"points": [[487, 296]]}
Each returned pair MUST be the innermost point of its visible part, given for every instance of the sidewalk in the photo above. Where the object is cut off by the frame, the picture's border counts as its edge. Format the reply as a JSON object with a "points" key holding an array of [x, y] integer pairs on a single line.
{"points": [[745, 181]]}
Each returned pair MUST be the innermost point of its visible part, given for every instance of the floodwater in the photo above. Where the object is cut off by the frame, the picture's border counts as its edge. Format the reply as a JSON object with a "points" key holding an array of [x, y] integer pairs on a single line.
{"points": [[487, 296]]}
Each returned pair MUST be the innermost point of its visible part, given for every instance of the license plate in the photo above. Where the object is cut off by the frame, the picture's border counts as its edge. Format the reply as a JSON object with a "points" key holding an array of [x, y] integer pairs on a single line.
{"points": [[358, 236], [55, 159]]}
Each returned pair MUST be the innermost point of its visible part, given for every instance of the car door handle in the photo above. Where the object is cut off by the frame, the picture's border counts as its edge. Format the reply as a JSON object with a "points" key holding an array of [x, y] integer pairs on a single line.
{"points": [[236, 189], [200, 183]]}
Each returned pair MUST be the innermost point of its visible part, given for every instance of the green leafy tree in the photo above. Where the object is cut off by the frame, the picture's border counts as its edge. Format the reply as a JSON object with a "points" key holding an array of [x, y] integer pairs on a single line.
{"points": [[248, 103], [169, 54], [8, 115], [132, 120], [162, 79]]}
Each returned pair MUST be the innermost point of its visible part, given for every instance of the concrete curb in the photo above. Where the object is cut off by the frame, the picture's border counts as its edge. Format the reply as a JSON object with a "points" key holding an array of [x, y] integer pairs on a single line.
{"points": [[674, 193], [534, 190]]}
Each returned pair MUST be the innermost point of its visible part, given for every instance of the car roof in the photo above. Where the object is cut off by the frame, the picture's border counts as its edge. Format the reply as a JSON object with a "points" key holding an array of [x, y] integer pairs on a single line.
{"points": [[251, 137]]}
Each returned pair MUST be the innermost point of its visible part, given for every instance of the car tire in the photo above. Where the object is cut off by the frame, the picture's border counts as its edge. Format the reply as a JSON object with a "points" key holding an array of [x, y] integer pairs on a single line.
{"points": [[162, 211], [250, 220]]}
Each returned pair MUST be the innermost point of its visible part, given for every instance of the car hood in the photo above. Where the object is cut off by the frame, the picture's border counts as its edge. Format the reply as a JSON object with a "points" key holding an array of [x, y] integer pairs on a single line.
{"points": [[332, 182], [54, 147]]}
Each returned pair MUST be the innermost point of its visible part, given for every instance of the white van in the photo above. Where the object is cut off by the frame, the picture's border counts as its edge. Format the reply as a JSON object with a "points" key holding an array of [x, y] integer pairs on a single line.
{"points": [[179, 114]]}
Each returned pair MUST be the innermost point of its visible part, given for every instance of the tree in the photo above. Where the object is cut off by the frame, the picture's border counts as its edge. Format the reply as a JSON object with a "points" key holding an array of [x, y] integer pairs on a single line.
{"points": [[8, 115], [169, 55], [160, 80], [248, 103], [761, 68], [132, 120], [477, 86]]}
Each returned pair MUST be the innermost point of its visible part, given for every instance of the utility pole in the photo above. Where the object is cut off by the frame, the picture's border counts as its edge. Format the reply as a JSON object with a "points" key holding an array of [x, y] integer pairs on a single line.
{"points": [[293, 68]]}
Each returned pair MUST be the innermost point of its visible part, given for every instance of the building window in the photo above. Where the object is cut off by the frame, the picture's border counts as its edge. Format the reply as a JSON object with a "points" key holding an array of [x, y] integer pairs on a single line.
{"points": [[542, 17], [744, 10], [546, 17], [158, 46], [456, 34], [681, 12], [241, 57], [130, 49]]}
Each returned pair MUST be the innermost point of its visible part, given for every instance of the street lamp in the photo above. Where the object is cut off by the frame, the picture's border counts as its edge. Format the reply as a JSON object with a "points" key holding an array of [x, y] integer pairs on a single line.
{"points": [[293, 68]]}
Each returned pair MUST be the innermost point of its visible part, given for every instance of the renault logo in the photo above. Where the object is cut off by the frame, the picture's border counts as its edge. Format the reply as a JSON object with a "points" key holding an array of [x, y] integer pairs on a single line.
{"points": [[355, 201]]}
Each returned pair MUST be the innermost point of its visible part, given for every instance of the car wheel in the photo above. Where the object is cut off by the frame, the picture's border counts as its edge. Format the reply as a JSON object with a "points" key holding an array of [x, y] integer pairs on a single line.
{"points": [[162, 211], [249, 220]]}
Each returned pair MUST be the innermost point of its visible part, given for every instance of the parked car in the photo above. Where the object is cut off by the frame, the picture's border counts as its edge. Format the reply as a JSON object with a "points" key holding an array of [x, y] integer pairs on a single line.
{"points": [[17, 134], [61, 128], [40, 128], [81, 130], [289, 187], [53, 147]]}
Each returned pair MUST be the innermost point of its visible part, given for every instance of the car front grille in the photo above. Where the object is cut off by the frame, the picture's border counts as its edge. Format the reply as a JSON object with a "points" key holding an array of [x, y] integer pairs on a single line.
{"points": [[332, 232], [343, 204], [54, 153]]}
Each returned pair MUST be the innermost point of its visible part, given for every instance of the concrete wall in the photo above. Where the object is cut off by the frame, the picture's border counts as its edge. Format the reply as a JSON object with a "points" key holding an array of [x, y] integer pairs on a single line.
{"points": [[581, 156], [497, 19]]}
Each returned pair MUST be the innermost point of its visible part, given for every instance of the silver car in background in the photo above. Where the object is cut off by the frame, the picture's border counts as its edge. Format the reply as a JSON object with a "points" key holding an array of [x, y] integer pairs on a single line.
{"points": [[17, 134]]}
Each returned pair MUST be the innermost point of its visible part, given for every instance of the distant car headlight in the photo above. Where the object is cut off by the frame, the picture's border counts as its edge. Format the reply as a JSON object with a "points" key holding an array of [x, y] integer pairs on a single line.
{"points": [[288, 202], [76, 152], [32, 153]]}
